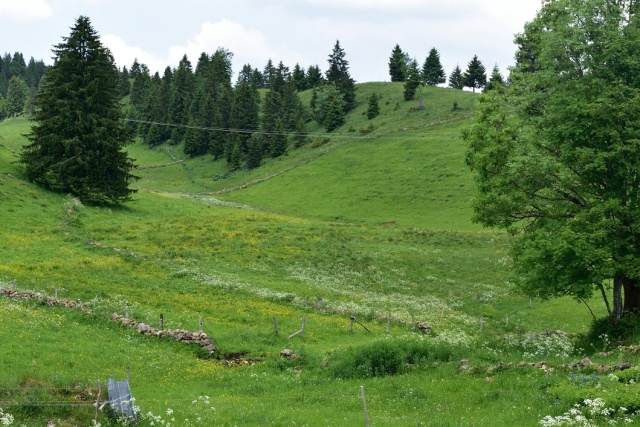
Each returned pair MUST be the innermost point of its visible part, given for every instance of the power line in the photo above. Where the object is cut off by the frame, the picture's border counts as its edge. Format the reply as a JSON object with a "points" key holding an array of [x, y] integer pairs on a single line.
{"points": [[251, 131]]}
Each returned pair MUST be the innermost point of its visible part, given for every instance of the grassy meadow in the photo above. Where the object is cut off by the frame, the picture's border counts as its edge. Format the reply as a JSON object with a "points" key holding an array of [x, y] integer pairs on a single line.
{"points": [[372, 221]]}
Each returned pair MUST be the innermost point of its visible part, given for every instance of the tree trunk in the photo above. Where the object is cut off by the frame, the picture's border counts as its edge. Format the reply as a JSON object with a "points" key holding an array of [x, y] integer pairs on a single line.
{"points": [[631, 294], [617, 299]]}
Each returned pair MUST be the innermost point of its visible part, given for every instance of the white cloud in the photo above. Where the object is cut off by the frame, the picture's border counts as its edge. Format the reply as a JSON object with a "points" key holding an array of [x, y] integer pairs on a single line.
{"points": [[25, 10], [370, 4], [125, 55], [246, 45]]}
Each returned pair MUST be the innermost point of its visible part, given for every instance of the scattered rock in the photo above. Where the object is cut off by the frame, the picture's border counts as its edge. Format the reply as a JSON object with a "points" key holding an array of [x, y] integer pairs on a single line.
{"points": [[289, 354], [424, 327]]}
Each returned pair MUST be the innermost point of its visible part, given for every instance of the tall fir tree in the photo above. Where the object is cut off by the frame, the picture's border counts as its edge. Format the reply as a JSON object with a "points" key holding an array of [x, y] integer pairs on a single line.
{"points": [[180, 94], [338, 74], [76, 144], [268, 74], [456, 79], [397, 65], [476, 75], [432, 71]]}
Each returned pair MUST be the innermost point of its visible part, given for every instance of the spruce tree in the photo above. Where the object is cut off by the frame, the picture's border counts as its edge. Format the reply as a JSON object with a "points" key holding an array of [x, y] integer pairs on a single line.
{"points": [[300, 78], [76, 144], [338, 74], [180, 94], [456, 80], [397, 65], [333, 111], [476, 75], [373, 108], [414, 80], [495, 79], [16, 96], [314, 76], [432, 71]]}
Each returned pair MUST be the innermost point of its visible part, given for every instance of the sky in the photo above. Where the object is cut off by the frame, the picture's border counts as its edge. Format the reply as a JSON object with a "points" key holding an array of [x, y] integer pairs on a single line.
{"points": [[160, 32]]}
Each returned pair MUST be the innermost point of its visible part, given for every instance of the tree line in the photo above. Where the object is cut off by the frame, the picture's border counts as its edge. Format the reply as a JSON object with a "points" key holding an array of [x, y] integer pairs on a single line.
{"points": [[19, 82], [203, 109], [402, 68]]}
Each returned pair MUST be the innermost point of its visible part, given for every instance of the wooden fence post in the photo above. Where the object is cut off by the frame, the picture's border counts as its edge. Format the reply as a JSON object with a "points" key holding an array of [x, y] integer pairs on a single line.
{"points": [[364, 407], [200, 324], [275, 326], [95, 420], [389, 323], [126, 312], [351, 326], [161, 321]]}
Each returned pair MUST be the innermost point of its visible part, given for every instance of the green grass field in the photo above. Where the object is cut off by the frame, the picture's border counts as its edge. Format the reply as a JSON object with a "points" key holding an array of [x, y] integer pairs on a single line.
{"points": [[374, 224]]}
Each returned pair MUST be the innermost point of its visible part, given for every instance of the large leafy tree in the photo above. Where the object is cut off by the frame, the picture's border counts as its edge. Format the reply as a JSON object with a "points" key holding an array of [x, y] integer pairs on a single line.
{"points": [[397, 65], [432, 71], [476, 75], [338, 74], [76, 144], [557, 153]]}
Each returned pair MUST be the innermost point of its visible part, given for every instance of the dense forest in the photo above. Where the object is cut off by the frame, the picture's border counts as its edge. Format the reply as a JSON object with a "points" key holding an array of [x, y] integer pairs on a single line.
{"points": [[19, 82], [259, 115]]}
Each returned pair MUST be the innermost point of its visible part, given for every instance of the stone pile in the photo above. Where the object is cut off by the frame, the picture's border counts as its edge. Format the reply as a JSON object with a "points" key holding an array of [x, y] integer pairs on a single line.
{"points": [[188, 337], [50, 301]]}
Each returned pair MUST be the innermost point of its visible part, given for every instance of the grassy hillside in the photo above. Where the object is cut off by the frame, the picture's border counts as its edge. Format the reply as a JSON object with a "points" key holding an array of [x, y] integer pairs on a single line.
{"points": [[372, 223]]}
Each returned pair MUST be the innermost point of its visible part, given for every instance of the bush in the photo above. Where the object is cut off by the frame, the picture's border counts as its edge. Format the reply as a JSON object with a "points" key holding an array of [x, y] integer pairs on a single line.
{"points": [[375, 360]]}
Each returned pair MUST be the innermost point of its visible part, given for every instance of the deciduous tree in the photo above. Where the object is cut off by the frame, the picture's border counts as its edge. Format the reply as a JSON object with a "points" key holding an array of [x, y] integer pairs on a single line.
{"points": [[556, 154]]}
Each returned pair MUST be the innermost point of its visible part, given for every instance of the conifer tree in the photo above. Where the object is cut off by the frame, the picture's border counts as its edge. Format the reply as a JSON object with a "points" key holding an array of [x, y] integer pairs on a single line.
{"points": [[414, 80], [494, 80], [125, 84], [76, 144], [314, 76], [182, 86], [16, 96], [397, 65], [299, 78], [432, 71], [373, 108], [3, 113], [333, 111], [268, 74], [476, 75], [338, 74], [456, 79]]}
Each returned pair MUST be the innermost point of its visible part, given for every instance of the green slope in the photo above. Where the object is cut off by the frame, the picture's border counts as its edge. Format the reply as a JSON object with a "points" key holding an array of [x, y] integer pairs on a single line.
{"points": [[312, 229]]}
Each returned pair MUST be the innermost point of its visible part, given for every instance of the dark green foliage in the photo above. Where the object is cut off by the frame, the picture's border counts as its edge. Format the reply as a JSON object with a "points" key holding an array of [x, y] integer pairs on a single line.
{"points": [[300, 78], [180, 95], [495, 79], [432, 72], [16, 96], [373, 108], [328, 107], [3, 111], [268, 74], [77, 140], [397, 65], [124, 83], [556, 155], [476, 75], [413, 82], [255, 149], [456, 80], [338, 75], [278, 140], [314, 76], [383, 358]]}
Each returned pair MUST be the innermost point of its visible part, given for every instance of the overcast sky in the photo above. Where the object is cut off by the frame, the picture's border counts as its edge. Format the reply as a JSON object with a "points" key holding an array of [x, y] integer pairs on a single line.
{"points": [[160, 32]]}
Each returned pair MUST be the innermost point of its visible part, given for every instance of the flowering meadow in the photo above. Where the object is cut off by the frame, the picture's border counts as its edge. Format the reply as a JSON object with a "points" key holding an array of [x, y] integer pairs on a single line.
{"points": [[251, 273]]}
